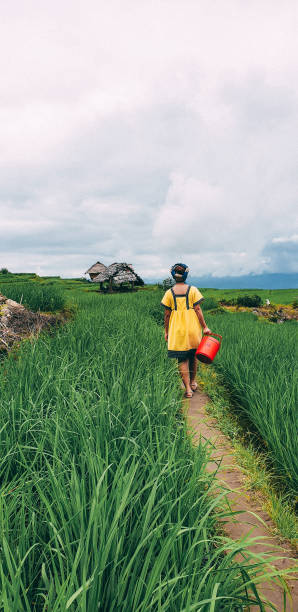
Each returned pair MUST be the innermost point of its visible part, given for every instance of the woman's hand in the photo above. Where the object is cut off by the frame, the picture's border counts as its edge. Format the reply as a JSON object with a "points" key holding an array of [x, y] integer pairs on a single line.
{"points": [[206, 331], [166, 336]]}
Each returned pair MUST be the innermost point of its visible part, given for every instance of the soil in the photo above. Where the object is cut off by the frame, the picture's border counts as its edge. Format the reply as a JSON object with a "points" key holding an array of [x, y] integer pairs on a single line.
{"points": [[252, 520], [17, 323]]}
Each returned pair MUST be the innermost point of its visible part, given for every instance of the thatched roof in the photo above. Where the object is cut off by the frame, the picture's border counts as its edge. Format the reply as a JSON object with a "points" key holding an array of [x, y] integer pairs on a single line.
{"points": [[97, 267], [102, 277], [125, 276], [118, 272], [115, 268], [122, 273], [139, 280]]}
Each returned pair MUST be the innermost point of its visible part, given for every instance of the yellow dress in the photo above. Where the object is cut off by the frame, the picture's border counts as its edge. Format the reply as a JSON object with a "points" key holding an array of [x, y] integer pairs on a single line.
{"points": [[185, 331]]}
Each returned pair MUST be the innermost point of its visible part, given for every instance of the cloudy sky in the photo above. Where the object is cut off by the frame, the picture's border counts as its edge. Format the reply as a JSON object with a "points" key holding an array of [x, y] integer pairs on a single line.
{"points": [[149, 131]]}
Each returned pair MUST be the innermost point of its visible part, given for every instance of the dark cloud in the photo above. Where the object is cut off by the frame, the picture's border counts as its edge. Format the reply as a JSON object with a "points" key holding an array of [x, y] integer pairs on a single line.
{"points": [[282, 255]]}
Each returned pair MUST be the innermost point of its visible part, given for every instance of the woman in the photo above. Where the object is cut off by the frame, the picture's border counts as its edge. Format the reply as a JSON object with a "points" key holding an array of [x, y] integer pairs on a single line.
{"points": [[184, 325]]}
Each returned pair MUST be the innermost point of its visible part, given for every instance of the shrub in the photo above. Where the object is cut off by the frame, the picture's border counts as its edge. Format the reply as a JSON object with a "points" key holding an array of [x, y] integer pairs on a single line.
{"points": [[4, 271], [167, 283], [231, 302], [35, 296], [249, 300], [295, 304]]}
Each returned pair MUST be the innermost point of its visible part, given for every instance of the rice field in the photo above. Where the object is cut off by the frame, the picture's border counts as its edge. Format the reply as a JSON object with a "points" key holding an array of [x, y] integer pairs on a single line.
{"points": [[276, 296], [105, 505], [34, 295], [258, 363]]}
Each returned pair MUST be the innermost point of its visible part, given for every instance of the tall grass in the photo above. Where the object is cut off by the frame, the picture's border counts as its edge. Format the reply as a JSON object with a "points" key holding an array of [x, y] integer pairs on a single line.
{"points": [[35, 296], [104, 504], [259, 363]]}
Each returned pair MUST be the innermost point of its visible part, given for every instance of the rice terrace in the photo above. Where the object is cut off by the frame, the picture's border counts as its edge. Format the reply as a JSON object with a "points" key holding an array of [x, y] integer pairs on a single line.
{"points": [[107, 503]]}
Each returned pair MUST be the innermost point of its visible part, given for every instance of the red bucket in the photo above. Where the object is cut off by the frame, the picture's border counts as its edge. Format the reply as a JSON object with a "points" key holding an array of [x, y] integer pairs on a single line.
{"points": [[208, 348]]}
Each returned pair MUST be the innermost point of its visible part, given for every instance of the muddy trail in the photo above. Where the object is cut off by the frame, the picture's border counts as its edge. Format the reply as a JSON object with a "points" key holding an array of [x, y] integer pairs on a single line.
{"points": [[251, 520]]}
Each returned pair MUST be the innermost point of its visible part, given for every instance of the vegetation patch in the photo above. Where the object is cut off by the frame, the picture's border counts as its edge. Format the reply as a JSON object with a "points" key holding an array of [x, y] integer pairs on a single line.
{"points": [[272, 313], [105, 503], [17, 322], [254, 461], [277, 296], [243, 300], [258, 365], [36, 296]]}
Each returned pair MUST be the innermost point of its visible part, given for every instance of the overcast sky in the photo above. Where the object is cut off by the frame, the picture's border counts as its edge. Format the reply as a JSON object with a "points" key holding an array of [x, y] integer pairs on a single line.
{"points": [[149, 132]]}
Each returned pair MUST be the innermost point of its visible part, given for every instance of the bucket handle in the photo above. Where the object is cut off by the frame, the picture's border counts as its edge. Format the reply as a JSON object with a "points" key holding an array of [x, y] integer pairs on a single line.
{"points": [[212, 334]]}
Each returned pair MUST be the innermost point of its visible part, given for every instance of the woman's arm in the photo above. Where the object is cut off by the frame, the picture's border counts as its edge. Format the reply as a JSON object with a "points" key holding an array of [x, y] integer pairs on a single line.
{"points": [[200, 316], [166, 320]]}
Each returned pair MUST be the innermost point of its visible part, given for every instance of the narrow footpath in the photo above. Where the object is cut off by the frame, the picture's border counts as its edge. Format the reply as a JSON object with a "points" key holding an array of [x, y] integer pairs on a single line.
{"points": [[229, 475]]}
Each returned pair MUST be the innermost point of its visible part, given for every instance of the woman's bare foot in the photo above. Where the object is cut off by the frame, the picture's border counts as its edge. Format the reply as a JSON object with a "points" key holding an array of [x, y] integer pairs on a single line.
{"points": [[188, 394], [194, 385]]}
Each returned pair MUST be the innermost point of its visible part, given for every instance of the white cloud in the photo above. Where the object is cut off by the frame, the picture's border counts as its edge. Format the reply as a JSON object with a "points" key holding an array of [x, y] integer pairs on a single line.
{"points": [[149, 132], [285, 239]]}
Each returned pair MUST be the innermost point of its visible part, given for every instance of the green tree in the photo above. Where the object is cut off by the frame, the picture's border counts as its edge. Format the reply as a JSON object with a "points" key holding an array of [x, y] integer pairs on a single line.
{"points": [[167, 283]]}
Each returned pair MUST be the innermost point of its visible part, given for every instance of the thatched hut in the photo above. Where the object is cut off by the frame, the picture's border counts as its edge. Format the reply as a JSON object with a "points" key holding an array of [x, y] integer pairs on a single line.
{"points": [[139, 282], [101, 278], [121, 273], [117, 274], [96, 270]]}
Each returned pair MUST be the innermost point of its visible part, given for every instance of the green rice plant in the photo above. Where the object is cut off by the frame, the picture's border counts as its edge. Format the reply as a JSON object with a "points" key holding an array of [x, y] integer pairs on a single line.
{"points": [[209, 303], [254, 464], [48, 298], [258, 363], [105, 504], [229, 296], [15, 278]]}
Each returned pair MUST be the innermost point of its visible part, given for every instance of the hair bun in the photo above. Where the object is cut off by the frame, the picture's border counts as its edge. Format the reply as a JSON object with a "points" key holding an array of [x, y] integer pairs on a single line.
{"points": [[179, 271]]}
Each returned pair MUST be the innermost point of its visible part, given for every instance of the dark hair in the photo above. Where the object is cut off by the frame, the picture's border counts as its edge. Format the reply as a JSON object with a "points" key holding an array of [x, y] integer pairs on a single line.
{"points": [[179, 271]]}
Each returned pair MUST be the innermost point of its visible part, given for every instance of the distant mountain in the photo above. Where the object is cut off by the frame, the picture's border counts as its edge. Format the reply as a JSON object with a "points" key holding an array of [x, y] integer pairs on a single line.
{"points": [[249, 281]]}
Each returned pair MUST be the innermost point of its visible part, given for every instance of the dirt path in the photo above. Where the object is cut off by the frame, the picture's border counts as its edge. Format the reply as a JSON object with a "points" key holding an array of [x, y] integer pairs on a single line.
{"points": [[200, 424]]}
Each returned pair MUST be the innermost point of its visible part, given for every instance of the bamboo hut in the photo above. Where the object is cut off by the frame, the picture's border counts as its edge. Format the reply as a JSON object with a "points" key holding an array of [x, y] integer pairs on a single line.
{"points": [[97, 269], [101, 278], [139, 282], [121, 273], [117, 274]]}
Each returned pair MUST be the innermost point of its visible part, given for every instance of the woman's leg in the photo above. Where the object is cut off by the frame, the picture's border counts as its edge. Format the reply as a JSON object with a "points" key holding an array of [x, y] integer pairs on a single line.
{"points": [[184, 373], [193, 364]]}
